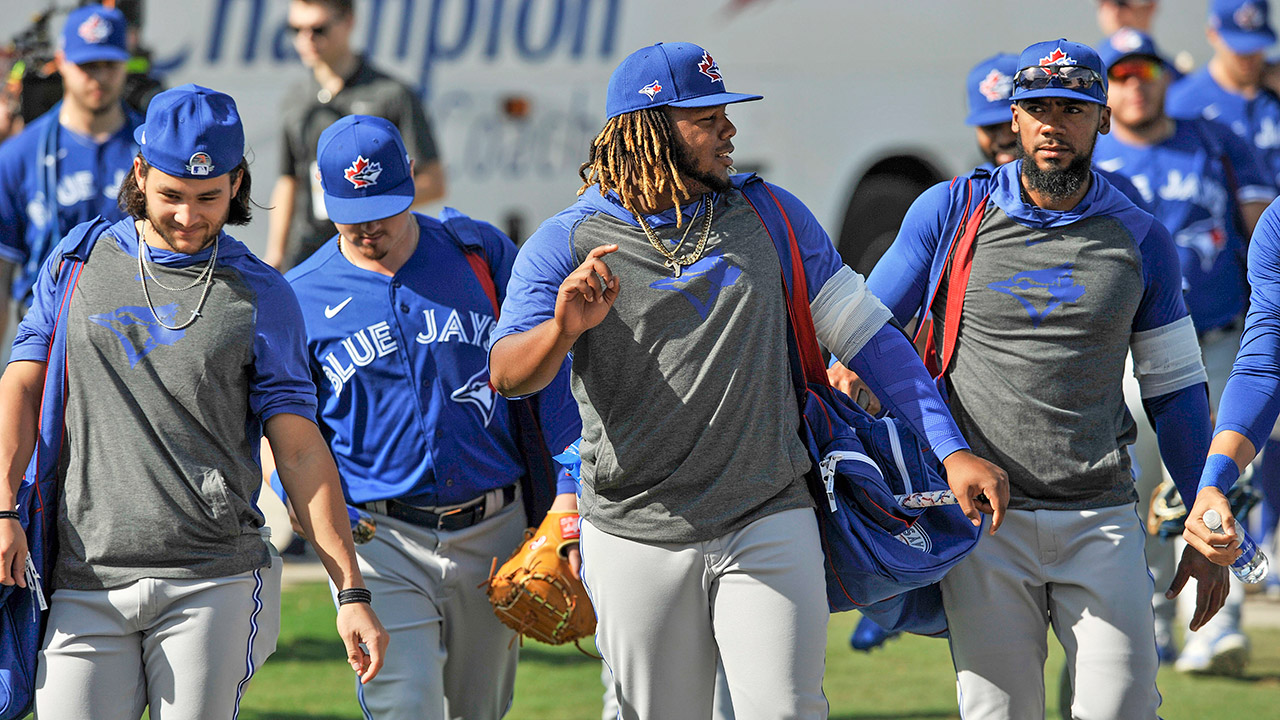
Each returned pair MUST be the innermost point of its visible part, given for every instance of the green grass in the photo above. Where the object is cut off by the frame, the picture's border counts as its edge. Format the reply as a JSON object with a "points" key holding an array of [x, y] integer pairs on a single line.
{"points": [[909, 679]]}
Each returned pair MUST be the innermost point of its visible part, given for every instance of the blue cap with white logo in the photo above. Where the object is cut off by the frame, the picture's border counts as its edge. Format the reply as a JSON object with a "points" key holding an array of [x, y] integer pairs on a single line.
{"points": [[1127, 42], [676, 74], [1242, 24], [192, 132], [94, 33], [1088, 79], [364, 170], [990, 86]]}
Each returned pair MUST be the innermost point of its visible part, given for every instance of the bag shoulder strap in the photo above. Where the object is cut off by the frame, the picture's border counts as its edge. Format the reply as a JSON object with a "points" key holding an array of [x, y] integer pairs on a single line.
{"points": [[462, 229], [956, 270]]}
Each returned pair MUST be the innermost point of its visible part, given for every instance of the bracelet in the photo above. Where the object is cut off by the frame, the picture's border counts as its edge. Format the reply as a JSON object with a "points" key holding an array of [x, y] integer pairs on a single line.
{"points": [[1220, 471], [9, 515], [354, 595]]}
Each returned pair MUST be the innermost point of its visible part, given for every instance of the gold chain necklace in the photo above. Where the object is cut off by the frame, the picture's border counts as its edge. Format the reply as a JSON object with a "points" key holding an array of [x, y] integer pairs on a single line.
{"points": [[674, 263]]}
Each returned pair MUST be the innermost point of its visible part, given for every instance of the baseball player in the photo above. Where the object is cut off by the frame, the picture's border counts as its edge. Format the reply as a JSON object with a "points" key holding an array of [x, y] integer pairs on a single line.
{"points": [[1064, 276], [342, 82], [187, 348], [397, 327], [67, 165], [1211, 225], [663, 282]]}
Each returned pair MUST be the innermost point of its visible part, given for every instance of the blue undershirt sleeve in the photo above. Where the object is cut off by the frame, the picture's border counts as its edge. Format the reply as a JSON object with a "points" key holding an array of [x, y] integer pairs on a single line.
{"points": [[901, 277], [1162, 301], [817, 254], [889, 365], [1181, 422]]}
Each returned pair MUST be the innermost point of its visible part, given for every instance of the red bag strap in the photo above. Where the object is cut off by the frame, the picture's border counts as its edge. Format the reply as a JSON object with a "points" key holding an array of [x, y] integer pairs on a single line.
{"points": [[958, 266], [481, 268], [815, 371]]}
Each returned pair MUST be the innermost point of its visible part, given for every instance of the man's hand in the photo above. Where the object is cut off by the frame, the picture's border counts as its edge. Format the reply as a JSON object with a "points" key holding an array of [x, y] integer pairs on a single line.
{"points": [[1220, 548], [979, 486], [13, 553], [1212, 584], [586, 296], [365, 638], [848, 382], [568, 502]]}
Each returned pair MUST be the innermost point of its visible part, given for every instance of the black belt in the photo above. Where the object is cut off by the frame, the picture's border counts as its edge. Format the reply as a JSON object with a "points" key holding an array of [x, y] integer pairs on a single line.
{"points": [[456, 519]]}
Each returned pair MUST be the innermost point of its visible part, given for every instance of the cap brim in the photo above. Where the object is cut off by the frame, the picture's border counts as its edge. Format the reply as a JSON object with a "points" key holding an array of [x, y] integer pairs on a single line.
{"points": [[725, 98], [990, 116], [356, 210], [99, 53], [1119, 58], [1058, 93], [1247, 43]]}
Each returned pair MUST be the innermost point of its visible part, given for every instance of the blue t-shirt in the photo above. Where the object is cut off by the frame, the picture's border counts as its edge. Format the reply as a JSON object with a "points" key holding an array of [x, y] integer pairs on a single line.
{"points": [[1194, 183], [86, 181], [1256, 120], [400, 368]]}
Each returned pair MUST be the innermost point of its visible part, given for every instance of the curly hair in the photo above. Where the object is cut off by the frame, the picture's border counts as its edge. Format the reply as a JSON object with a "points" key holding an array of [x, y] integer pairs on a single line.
{"points": [[134, 203], [635, 156]]}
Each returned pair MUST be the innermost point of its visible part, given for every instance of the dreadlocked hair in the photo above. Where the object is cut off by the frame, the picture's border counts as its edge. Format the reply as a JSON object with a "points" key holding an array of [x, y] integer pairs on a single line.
{"points": [[634, 156]]}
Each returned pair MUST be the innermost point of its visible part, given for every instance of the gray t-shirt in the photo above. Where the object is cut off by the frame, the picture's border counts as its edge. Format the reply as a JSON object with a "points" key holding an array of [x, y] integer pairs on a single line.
{"points": [[159, 470], [689, 418], [1035, 382]]}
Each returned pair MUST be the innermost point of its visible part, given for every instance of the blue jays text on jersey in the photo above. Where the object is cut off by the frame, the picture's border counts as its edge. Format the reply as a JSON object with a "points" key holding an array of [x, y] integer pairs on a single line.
{"points": [[52, 179], [410, 351], [1194, 183]]}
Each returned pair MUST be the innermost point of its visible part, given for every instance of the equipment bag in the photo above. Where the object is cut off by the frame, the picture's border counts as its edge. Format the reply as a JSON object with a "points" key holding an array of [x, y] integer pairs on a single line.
{"points": [[880, 558]]}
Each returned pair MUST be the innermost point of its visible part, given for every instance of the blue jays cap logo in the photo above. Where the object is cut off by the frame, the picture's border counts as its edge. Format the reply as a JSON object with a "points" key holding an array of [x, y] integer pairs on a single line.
{"points": [[200, 164], [996, 86], [707, 66], [94, 30], [1248, 17], [1126, 40], [362, 172], [1057, 57], [651, 89]]}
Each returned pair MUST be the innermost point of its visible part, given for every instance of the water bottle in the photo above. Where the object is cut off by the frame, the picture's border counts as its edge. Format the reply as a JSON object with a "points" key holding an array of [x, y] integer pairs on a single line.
{"points": [[1251, 566], [362, 525]]}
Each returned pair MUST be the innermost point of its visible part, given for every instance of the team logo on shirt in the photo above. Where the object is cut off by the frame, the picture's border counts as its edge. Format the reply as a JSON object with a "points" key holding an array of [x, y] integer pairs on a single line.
{"points": [[1057, 57], [200, 164], [1040, 292], [651, 89], [707, 277], [138, 331], [1206, 239], [363, 173], [479, 393], [1248, 17], [708, 67], [996, 86], [94, 30]]}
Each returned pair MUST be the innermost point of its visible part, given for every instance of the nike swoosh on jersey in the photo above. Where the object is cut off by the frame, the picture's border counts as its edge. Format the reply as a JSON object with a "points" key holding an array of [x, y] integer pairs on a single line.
{"points": [[329, 312]]}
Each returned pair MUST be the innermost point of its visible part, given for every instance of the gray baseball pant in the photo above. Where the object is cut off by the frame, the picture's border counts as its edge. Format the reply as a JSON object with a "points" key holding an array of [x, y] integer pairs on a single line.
{"points": [[450, 656], [754, 598], [185, 649]]}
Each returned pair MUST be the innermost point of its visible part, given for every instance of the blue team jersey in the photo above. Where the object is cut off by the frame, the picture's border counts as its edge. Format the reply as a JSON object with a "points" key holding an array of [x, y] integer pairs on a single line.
{"points": [[83, 181], [400, 368], [1255, 120], [1194, 183]]}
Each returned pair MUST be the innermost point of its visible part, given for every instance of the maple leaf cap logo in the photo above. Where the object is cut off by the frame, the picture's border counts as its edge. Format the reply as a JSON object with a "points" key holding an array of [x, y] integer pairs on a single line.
{"points": [[94, 30], [707, 66], [1057, 57], [362, 172], [996, 86]]}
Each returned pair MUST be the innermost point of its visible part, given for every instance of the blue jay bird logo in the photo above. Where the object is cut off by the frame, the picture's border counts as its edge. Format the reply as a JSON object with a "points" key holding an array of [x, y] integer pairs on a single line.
{"points": [[1030, 288], [478, 392], [715, 268], [152, 335]]}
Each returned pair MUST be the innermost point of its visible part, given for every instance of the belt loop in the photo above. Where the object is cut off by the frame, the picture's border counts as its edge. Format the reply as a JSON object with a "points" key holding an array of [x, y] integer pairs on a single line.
{"points": [[378, 506]]}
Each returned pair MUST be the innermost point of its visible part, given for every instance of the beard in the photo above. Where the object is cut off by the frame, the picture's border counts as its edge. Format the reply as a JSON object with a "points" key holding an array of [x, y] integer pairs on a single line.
{"points": [[1058, 183], [690, 171], [167, 236]]}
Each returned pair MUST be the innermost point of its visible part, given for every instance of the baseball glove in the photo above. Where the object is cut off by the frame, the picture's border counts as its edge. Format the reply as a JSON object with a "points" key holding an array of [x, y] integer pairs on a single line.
{"points": [[535, 591], [1167, 513]]}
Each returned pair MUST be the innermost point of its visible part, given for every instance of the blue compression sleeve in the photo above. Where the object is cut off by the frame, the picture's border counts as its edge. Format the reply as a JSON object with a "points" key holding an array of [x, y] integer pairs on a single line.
{"points": [[1181, 421], [889, 365]]}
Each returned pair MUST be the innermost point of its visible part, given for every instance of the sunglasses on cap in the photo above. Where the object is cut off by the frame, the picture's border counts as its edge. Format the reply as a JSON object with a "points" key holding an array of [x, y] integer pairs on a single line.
{"points": [[1145, 69], [1069, 77]]}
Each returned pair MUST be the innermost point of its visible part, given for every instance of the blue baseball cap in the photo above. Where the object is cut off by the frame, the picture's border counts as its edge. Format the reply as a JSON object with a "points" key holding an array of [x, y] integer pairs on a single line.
{"points": [[1128, 42], [192, 132], [676, 74], [1058, 54], [990, 86], [1243, 25], [94, 33], [364, 170]]}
